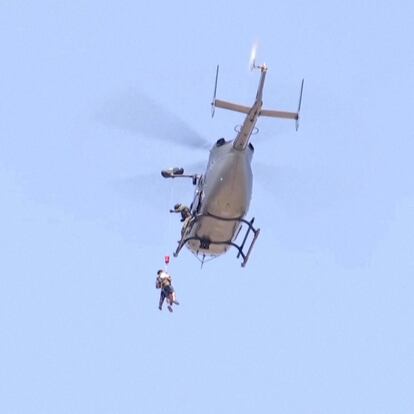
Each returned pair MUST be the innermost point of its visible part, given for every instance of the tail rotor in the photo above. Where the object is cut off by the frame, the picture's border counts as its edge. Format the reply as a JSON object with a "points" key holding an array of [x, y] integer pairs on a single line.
{"points": [[253, 53]]}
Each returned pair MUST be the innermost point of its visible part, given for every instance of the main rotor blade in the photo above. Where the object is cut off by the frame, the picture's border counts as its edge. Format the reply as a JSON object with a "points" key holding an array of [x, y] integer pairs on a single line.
{"points": [[141, 115], [301, 191]]}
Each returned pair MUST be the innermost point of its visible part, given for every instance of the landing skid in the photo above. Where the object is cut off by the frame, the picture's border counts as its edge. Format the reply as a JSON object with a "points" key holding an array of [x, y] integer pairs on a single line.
{"points": [[204, 244]]}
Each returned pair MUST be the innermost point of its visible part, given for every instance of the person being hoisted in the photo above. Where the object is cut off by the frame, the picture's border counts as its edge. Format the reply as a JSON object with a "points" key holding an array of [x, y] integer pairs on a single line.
{"points": [[185, 215], [164, 282]]}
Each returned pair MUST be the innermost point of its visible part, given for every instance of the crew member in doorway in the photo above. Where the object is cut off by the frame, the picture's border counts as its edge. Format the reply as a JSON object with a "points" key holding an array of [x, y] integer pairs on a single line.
{"points": [[185, 215], [184, 210]]}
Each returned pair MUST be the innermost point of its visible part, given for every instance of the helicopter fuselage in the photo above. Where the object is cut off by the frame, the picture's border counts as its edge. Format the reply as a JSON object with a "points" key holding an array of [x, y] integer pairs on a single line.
{"points": [[222, 198]]}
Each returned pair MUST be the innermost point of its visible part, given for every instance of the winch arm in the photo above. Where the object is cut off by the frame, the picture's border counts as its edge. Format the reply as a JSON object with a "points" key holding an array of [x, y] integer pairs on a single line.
{"points": [[177, 172]]}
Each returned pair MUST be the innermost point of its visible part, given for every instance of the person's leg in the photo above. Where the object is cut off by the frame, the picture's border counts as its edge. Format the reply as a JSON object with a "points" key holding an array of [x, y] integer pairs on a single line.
{"points": [[174, 299], [162, 297], [171, 295], [170, 298], [167, 293]]}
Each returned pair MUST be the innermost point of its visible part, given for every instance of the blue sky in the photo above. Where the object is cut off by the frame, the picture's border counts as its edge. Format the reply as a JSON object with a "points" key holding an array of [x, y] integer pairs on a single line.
{"points": [[319, 321]]}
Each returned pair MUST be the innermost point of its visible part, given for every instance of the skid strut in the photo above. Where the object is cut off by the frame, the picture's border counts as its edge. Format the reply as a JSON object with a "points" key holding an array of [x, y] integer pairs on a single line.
{"points": [[204, 244]]}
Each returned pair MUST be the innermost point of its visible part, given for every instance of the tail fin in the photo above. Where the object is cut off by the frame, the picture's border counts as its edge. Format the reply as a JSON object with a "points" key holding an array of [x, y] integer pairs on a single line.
{"points": [[218, 103], [213, 102], [284, 114]]}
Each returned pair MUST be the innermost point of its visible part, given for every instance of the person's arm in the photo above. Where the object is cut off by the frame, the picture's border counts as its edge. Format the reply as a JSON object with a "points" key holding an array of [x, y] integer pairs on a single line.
{"points": [[178, 209]]}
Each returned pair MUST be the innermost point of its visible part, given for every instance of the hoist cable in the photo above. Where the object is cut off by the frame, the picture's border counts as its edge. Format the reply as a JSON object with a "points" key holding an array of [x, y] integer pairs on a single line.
{"points": [[168, 232]]}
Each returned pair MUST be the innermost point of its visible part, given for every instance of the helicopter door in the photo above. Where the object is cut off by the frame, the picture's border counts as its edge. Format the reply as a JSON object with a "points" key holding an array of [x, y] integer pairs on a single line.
{"points": [[198, 196]]}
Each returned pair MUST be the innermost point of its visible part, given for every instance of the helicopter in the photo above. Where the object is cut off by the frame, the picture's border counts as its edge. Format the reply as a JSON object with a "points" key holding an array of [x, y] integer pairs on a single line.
{"points": [[223, 193]]}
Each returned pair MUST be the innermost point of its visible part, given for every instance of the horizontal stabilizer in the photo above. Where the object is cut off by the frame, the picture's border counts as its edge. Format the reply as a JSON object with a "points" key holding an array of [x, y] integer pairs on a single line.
{"points": [[279, 114], [284, 114], [231, 106]]}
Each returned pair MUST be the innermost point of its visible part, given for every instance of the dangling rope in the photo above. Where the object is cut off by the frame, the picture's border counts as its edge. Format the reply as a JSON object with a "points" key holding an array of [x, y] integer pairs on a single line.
{"points": [[168, 233]]}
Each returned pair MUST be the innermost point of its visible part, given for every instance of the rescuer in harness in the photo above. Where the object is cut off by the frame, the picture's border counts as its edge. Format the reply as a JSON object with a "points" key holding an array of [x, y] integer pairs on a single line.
{"points": [[164, 282]]}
